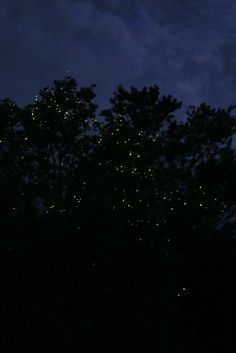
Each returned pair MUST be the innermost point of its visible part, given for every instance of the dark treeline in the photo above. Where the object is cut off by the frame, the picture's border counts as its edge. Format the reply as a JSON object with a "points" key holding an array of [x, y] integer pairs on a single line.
{"points": [[117, 229]]}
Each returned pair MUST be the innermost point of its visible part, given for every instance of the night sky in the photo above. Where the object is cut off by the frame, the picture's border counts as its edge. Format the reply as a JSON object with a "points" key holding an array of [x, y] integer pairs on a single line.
{"points": [[186, 47]]}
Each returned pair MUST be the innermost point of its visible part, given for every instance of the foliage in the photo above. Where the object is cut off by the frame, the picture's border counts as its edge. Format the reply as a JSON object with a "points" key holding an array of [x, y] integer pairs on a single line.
{"points": [[133, 215]]}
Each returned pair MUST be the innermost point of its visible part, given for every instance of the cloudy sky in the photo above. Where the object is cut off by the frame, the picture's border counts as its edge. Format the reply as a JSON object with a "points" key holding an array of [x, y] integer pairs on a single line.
{"points": [[186, 47]]}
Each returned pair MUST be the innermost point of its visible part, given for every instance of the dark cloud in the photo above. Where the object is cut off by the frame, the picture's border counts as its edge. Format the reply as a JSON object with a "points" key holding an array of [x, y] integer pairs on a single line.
{"points": [[186, 47], [228, 55]]}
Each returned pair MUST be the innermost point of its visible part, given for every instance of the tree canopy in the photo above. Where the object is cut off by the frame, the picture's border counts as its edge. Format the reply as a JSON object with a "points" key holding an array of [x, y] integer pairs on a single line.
{"points": [[131, 208]]}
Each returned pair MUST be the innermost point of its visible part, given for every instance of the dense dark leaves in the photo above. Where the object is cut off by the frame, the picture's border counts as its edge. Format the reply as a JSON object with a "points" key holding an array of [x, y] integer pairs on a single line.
{"points": [[143, 109], [119, 228]]}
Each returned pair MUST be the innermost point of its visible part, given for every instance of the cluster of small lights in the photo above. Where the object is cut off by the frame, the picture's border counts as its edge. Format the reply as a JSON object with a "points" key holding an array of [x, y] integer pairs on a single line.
{"points": [[149, 173], [135, 198], [52, 207], [77, 199]]}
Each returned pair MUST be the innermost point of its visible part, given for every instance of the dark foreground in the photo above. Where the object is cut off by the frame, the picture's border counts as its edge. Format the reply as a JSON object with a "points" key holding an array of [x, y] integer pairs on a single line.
{"points": [[59, 294]]}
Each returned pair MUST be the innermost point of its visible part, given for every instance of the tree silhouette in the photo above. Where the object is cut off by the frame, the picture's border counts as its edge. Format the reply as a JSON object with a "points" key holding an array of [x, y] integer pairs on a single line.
{"points": [[57, 127], [124, 226]]}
